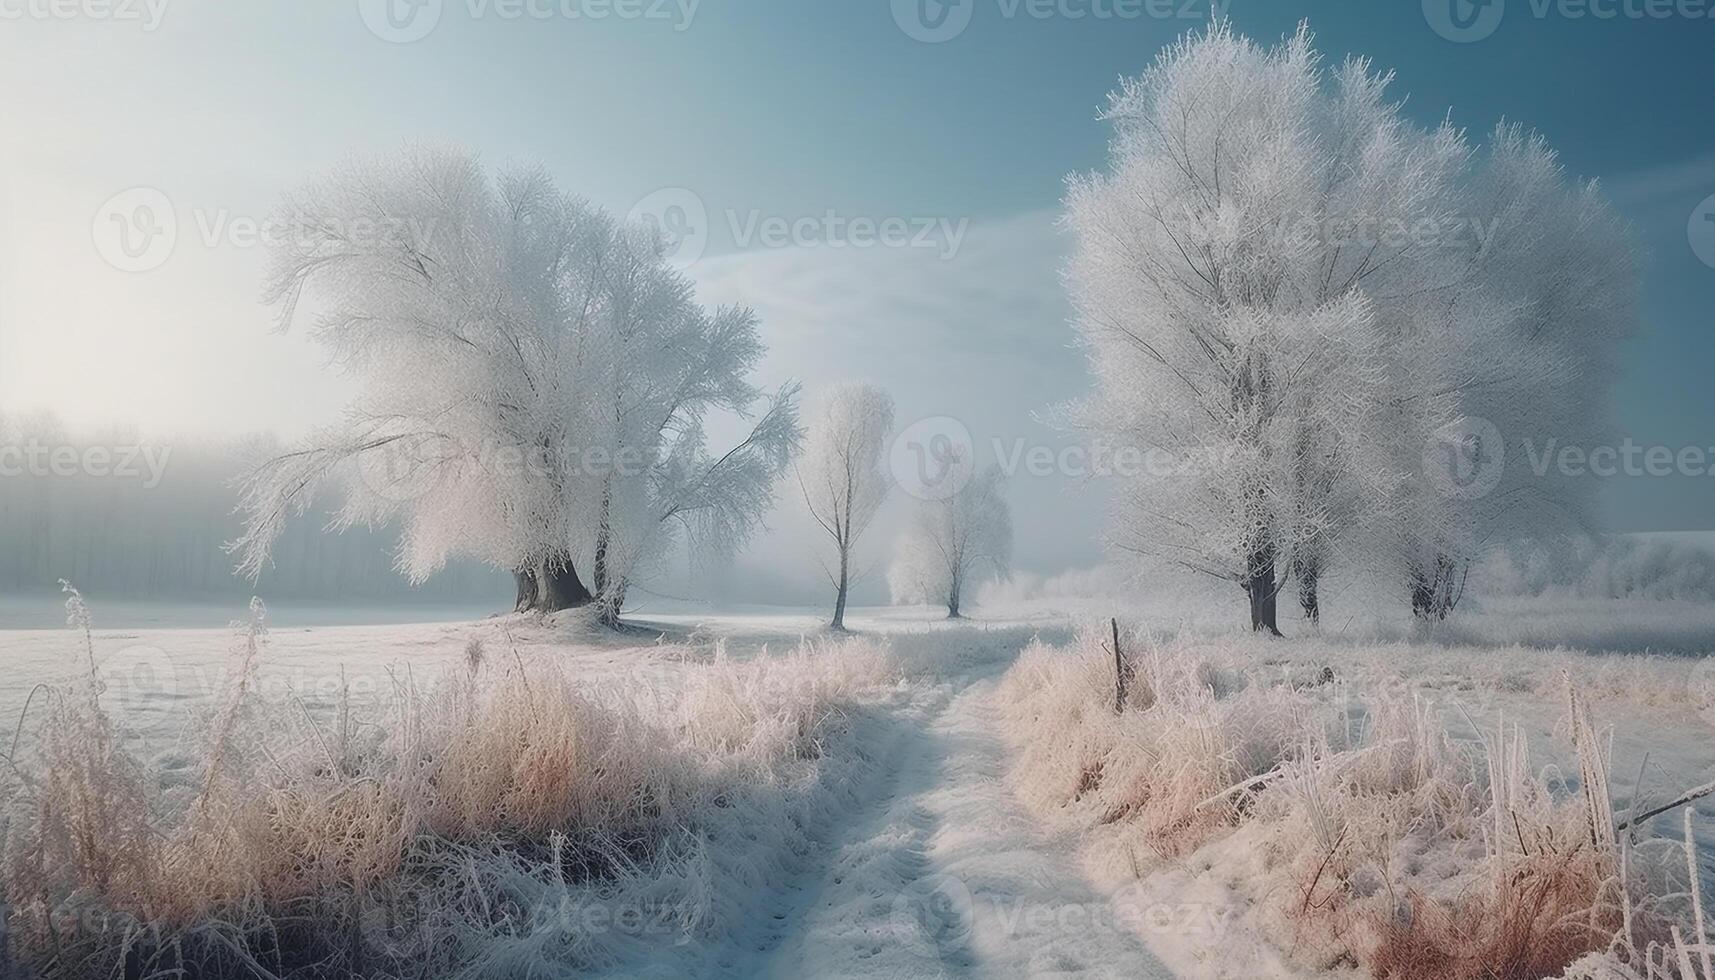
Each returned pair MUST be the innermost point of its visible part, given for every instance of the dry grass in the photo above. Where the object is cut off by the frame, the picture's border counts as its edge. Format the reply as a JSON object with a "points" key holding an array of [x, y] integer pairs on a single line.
{"points": [[1382, 841], [503, 822]]}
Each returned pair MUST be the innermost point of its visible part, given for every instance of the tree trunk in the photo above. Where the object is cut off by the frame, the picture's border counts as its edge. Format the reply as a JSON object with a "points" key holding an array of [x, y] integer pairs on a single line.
{"points": [[953, 601], [525, 578], [551, 586], [1436, 590], [611, 602], [603, 537], [1263, 590], [598, 578], [839, 622], [1309, 594]]}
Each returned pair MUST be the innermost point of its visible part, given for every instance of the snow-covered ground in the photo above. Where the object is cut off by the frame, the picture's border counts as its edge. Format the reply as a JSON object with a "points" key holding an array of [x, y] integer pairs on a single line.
{"points": [[919, 856]]}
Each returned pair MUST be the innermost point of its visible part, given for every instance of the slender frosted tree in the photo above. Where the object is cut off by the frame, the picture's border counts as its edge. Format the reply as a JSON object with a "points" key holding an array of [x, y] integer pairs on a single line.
{"points": [[842, 478], [953, 544]]}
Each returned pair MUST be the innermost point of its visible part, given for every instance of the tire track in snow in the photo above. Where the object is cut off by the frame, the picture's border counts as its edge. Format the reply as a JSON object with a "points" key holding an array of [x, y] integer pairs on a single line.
{"points": [[945, 875]]}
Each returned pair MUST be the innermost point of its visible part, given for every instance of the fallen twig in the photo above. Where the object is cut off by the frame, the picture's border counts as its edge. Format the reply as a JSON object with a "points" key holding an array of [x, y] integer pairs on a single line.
{"points": [[1683, 798]]}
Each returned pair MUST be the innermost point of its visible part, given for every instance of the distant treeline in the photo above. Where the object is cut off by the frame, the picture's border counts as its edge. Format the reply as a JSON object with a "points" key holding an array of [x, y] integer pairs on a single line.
{"points": [[132, 517]]}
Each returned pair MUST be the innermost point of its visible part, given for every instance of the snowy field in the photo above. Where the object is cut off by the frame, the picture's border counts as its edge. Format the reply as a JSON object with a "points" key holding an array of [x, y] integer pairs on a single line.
{"points": [[908, 825]]}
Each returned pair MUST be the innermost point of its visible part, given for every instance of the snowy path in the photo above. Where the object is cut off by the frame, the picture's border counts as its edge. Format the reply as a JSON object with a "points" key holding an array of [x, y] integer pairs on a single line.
{"points": [[944, 875]]}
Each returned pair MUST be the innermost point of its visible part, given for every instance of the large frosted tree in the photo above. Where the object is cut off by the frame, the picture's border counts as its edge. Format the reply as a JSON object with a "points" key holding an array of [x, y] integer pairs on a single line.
{"points": [[1300, 300], [1227, 298], [533, 381], [954, 543], [842, 478]]}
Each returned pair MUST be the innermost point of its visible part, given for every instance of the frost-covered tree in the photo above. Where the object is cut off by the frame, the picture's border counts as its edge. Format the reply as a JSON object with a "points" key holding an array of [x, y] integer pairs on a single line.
{"points": [[1309, 304], [841, 475], [1228, 276], [647, 371], [1519, 349], [954, 543], [533, 381]]}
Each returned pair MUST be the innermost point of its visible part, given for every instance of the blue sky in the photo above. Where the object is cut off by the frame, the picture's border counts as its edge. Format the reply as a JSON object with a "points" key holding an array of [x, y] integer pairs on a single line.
{"points": [[763, 109]]}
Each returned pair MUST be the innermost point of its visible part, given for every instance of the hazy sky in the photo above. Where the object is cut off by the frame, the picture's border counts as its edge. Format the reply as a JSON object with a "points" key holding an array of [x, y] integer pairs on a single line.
{"points": [[765, 111]]}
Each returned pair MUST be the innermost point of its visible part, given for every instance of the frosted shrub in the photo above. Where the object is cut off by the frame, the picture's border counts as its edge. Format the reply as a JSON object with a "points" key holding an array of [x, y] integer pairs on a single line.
{"points": [[1361, 829], [1152, 766]]}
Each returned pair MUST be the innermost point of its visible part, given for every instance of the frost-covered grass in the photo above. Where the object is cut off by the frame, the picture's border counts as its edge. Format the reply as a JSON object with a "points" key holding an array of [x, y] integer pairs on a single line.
{"points": [[741, 800], [1363, 821], [503, 820]]}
